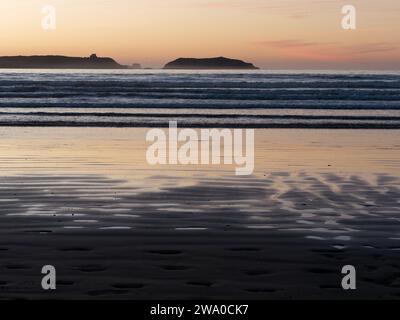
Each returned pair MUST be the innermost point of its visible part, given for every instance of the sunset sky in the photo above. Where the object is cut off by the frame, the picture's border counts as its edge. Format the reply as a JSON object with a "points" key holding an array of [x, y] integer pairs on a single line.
{"points": [[275, 34]]}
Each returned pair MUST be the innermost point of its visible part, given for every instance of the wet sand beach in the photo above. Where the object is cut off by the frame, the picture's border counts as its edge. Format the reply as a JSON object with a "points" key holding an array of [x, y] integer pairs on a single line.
{"points": [[86, 201]]}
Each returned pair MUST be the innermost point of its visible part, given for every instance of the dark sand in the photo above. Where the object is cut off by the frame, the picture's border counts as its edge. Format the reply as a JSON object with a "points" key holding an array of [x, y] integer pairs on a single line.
{"points": [[116, 229]]}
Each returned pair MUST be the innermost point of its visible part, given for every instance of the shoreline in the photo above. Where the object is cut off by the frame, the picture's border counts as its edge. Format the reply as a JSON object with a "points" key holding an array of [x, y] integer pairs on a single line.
{"points": [[165, 124]]}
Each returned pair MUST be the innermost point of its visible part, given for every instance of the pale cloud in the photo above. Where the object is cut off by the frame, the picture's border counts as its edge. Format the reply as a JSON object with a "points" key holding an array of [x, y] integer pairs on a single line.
{"points": [[293, 8], [291, 43], [365, 48], [373, 48]]}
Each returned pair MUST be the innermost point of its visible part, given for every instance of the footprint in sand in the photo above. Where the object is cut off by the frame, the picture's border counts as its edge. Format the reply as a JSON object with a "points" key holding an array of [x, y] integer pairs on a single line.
{"points": [[128, 285], [75, 249], [65, 282], [91, 268], [17, 266], [104, 292], [258, 272], [174, 268], [200, 283], [244, 249], [165, 252], [322, 271], [262, 290], [330, 286]]}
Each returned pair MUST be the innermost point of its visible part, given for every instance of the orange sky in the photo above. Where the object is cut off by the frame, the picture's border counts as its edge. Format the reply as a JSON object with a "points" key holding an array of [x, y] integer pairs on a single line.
{"points": [[270, 33]]}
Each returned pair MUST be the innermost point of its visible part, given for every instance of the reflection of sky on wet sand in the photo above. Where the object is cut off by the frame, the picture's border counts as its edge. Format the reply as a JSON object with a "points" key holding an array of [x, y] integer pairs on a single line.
{"points": [[121, 153], [356, 211]]}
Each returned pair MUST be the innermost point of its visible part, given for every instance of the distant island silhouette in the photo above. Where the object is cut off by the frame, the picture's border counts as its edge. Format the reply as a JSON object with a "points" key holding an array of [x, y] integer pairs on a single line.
{"points": [[95, 62], [59, 62], [209, 63]]}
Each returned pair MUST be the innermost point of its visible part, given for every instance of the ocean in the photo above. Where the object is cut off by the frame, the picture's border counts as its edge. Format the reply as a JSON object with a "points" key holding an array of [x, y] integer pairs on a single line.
{"points": [[148, 98]]}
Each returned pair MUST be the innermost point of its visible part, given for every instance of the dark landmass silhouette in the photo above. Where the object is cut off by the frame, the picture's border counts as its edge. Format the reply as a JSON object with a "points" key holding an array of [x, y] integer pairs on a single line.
{"points": [[209, 63], [136, 66], [59, 62]]}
